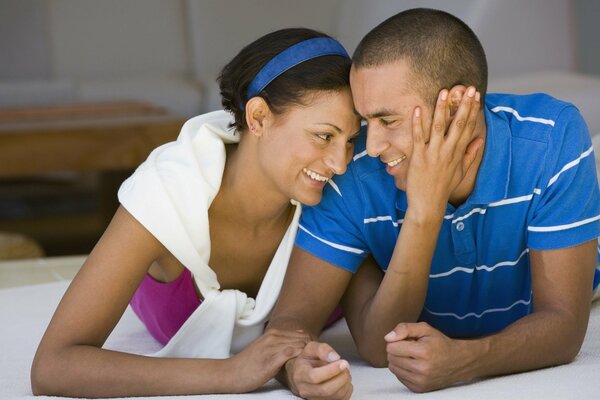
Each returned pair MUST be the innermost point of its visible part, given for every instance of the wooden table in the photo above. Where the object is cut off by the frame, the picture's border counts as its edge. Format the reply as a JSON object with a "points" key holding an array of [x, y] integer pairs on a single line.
{"points": [[82, 137], [108, 139]]}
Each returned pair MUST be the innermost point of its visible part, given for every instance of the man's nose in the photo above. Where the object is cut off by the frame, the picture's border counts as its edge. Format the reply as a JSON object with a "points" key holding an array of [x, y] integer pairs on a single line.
{"points": [[376, 141]]}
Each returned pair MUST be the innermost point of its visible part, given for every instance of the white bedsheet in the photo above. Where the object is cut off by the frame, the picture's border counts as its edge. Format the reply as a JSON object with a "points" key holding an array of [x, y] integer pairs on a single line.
{"points": [[25, 312]]}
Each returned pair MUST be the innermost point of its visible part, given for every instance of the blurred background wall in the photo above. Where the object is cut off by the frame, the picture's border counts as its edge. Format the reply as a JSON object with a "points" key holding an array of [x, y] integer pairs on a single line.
{"points": [[164, 56]]}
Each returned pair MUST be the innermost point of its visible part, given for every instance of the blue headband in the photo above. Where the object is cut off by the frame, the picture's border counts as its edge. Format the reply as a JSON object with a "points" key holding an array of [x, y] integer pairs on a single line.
{"points": [[292, 56]]}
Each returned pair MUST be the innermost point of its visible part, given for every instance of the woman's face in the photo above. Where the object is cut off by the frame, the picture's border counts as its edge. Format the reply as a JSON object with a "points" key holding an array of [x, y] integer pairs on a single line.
{"points": [[307, 145]]}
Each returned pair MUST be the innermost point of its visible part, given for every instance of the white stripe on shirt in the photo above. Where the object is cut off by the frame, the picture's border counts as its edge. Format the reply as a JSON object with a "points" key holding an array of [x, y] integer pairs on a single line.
{"points": [[383, 218], [360, 155], [513, 200], [472, 314], [562, 227], [504, 202], [334, 245], [516, 114], [480, 267], [335, 187], [571, 165], [473, 211]]}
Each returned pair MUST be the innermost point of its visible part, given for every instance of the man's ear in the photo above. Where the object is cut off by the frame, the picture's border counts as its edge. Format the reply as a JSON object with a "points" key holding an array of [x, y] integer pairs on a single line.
{"points": [[455, 95], [257, 115]]}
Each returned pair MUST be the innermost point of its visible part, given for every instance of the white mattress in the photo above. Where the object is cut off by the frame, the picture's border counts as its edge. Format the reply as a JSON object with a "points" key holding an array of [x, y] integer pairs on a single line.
{"points": [[25, 312]]}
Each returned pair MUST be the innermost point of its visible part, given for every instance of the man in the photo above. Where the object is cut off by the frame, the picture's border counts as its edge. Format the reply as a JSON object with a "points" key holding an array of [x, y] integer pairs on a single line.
{"points": [[506, 286]]}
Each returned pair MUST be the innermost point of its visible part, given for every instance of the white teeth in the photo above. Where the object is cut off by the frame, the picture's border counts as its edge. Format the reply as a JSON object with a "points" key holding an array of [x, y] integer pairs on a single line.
{"points": [[396, 161], [313, 175]]}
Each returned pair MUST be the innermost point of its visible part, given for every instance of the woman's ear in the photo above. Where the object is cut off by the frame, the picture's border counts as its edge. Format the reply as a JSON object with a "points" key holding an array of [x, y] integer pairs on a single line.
{"points": [[455, 95], [257, 113]]}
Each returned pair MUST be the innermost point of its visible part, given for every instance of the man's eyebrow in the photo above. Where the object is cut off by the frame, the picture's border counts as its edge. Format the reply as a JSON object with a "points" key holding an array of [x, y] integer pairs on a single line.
{"points": [[381, 113], [337, 128]]}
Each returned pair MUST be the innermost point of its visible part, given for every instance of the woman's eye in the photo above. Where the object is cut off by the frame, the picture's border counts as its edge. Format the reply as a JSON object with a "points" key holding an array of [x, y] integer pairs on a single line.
{"points": [[323, 136]]}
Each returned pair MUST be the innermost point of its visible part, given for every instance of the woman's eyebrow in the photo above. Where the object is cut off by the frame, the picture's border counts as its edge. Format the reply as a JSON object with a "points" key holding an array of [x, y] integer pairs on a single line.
{"points": [[337, 128]]}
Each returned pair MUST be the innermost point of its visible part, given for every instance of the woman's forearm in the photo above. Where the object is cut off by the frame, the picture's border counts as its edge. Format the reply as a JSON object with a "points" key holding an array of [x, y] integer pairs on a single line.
{"points": [[87, 371]]}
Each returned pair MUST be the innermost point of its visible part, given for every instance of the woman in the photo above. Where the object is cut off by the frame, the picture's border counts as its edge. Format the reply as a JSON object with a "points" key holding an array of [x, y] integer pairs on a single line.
{"points": [[216, 197]]}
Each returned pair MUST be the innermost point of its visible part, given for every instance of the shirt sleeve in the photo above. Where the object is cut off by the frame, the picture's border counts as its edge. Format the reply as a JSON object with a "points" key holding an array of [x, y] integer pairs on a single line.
{"points": [[329, 230], [568, 210]]}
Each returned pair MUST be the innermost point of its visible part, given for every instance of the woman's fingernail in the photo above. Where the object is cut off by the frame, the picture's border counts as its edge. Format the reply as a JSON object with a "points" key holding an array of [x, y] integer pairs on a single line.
{"points": [[390, 335], [444, 95], [331, 357], [471, 91], [477, 96], [417, 112], [344, 365]]}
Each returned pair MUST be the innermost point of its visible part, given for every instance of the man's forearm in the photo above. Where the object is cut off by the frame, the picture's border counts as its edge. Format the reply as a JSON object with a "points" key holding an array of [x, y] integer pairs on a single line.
{"points": [[539, 340], [402, 292], [291, 323], [294, 323]]}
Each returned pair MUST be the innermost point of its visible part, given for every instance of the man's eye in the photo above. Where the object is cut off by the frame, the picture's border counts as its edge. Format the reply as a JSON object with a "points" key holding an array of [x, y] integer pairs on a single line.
{"points": [[386, 122]]}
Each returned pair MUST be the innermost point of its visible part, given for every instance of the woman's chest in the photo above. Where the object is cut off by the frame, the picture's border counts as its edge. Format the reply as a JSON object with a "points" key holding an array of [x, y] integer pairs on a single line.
{"points": [[241, 258]]}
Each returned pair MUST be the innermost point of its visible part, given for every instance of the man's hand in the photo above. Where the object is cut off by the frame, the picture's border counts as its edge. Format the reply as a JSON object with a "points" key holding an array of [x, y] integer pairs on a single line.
{"points": [[262, 359], [319, 373], [423, 358]]}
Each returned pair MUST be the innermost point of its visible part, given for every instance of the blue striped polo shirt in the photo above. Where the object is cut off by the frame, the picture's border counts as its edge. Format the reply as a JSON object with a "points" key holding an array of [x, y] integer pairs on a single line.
{"points": [[536, 189]]}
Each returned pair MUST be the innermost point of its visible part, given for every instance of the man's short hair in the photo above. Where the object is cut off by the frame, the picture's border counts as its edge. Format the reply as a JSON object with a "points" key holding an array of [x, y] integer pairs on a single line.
{"points": [[441, 50]]}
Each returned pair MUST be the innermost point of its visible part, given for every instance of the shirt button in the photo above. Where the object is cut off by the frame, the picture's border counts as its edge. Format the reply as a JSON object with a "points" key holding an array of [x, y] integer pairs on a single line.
{"points": [[460, 226]]}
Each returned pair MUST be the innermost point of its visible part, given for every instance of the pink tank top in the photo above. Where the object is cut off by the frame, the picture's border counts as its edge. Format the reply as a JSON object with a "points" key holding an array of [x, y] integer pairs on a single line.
{"points": [[164, 307]]}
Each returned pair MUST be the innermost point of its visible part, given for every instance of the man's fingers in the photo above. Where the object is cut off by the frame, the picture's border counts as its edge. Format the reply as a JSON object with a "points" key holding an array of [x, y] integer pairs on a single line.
{"points": [[461, 121], [326, 372], [471, 123], [408, 378], [344, 391], [404, 349], [334, 386], [406, 330], [417, 128], [322, 351], [440, 119]]}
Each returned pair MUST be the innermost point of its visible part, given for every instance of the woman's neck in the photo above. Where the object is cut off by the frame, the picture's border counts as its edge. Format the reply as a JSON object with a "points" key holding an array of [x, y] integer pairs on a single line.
{"points": [[256, 200]]}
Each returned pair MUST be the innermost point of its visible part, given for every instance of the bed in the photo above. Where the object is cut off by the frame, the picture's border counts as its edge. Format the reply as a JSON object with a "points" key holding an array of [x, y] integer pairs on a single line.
{"points": [[25, 312]]}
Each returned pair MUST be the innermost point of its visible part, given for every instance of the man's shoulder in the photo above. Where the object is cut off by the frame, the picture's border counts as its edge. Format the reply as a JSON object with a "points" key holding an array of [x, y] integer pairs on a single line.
{"points": [[538, 116], [543, 107]]}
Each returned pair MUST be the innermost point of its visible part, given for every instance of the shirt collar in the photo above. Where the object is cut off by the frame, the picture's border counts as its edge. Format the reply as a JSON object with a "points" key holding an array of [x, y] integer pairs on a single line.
{"points": [[493, 177]]}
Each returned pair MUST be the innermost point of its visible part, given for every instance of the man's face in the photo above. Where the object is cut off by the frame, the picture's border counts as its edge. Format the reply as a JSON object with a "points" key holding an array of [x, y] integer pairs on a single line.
{"points": [[384, 97]]}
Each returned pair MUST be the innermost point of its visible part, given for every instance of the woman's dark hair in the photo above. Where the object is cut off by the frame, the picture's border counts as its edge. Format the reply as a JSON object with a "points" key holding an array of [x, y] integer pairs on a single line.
{"points": [[327, 73]]}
